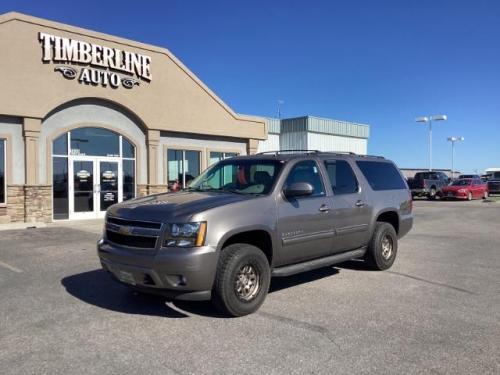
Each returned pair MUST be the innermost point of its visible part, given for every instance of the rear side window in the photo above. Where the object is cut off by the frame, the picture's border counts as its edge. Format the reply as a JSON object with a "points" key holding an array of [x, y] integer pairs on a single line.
{"points": [[341, 176], [381, 175]]}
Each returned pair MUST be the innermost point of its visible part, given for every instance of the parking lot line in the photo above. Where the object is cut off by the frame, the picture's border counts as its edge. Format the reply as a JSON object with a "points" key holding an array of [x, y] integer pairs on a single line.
{"points": [[9, 267]]}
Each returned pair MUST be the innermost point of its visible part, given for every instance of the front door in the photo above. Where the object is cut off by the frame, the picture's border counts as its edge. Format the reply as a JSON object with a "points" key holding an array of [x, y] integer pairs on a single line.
{"points": [[95, 184], [305, 223]]}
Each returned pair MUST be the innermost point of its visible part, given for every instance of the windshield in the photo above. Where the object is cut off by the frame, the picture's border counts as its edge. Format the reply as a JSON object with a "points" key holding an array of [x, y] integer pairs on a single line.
{"points": [[243, 176], [461, 183]]}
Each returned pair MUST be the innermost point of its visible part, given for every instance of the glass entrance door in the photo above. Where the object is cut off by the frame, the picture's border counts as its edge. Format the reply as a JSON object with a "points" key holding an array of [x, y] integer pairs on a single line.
{"points": [[82, 190], [108, 184], [95, 185]]}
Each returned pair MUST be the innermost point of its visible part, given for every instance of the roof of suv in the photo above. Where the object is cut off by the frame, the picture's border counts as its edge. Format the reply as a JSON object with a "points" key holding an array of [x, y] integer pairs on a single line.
{"points": [[286, 155]]}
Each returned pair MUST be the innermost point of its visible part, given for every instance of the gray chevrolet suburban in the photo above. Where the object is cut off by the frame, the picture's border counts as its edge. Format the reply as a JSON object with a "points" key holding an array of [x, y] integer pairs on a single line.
{"points": [[250, 218]]}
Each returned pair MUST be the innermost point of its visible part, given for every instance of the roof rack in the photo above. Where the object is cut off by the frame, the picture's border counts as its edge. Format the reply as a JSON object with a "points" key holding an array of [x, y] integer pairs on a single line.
{"points": [[279, 152]]}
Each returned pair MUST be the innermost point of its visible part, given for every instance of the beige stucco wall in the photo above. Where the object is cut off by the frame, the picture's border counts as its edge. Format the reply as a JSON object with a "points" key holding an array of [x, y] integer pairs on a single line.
{"points": [[174, 100]]}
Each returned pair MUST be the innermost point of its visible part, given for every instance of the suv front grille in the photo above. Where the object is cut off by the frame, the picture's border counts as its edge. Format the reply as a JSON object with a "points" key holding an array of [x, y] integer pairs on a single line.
{"points": [[131, 241], [133, 233]]}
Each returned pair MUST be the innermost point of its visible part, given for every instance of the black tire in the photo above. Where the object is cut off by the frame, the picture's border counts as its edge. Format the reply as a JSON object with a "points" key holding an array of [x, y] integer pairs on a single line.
{"points": [[232, 262], [375, 254], [432, 194]]}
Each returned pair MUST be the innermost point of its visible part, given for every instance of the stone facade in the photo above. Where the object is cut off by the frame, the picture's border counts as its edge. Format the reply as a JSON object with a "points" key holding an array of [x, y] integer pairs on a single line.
{"points": [[38, 203], [15, 203]]}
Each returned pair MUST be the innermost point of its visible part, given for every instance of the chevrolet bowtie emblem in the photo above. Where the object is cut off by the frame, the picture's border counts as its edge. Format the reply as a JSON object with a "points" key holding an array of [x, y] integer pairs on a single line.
{"points": [[124, 230]]}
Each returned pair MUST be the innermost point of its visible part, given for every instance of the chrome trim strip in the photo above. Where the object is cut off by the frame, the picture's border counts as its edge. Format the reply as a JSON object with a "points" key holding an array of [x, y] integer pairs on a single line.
{"points": [[352, 229], [308, 237]]}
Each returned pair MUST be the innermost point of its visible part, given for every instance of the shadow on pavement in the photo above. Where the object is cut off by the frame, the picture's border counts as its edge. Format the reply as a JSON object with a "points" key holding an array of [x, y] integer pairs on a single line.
{"points": [[99, 289]]}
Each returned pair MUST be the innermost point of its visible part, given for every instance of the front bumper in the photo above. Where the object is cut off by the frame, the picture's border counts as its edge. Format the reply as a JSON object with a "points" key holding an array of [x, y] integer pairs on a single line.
{"points": [[454, 195], [177, 273], [419, 192]]}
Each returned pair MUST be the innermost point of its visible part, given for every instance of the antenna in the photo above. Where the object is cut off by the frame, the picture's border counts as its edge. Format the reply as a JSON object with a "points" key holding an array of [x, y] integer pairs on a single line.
{"points": [[280, 103]]}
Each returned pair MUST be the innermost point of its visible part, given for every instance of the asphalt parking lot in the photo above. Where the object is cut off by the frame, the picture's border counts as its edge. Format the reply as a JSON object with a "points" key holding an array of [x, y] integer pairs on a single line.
{"points": [[437, 310]]}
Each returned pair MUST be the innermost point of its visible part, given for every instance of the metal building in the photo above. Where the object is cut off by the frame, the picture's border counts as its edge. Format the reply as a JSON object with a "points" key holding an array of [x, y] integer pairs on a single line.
{"points": [[315, 133]]}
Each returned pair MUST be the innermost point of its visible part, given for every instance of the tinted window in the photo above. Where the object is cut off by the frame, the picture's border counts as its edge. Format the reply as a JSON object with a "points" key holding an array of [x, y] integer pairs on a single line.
{"points": [[341, 176], [60, 187], [2, 171], [128, 150], [60, 145], [183, 166], [94, 141], [381, 175], [306, 171], [128, 179]]}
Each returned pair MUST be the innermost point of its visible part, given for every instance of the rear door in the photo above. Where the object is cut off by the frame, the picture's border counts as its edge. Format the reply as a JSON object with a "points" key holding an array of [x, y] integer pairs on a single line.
{"points": [[351, 211], [305, 223]]}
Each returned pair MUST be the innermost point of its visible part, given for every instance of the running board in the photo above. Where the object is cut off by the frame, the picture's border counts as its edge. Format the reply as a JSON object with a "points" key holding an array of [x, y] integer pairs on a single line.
{"points": [[318, 263]]}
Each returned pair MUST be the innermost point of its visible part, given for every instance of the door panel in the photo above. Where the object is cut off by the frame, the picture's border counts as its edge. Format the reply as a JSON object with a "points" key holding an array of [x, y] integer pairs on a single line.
{"points": [[351, 216], [83, 186], [306, 232], [304, 223], [350, 211], [108, 184]]}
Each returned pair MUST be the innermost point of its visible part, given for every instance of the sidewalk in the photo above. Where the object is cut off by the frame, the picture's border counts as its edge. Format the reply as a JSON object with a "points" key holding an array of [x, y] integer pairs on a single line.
{"points": [[91, 225]]}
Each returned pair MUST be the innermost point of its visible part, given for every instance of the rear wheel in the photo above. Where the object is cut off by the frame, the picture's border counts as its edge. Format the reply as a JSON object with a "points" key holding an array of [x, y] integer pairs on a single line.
{"points": [[432, 194], [242, 280], [383, 247]]}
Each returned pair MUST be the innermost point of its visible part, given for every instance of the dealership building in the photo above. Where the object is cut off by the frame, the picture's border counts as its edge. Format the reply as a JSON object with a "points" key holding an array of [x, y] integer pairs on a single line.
{"points": [[88, 120]]}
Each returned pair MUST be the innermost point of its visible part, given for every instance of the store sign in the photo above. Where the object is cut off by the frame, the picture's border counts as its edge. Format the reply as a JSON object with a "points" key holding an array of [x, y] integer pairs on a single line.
{"points": [[101, 65], [83, 174]]}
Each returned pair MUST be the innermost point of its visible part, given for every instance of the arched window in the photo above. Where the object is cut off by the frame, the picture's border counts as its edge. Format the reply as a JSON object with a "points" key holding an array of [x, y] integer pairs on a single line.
{"points": [[93, 168]]}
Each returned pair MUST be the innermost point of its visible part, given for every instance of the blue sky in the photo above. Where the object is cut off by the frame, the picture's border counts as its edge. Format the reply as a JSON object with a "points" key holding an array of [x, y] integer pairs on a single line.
{"points": [[377, 62]]}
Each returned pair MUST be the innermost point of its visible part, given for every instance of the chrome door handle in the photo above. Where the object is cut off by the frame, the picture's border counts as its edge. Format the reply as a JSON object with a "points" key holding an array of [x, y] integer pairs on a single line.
{"points": [[324, 208], [360, 204]]}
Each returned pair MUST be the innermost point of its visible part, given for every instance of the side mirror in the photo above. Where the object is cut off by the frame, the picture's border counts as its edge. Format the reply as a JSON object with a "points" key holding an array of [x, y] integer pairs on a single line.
{"points": [[298, 189]]}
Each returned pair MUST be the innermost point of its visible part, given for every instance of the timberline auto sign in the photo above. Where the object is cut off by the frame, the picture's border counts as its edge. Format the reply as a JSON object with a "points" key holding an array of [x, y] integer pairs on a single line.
{"points": [[70, 51]]}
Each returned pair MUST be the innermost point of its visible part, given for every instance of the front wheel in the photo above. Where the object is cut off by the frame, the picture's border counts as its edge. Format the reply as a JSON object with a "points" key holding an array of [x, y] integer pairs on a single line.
{"points": [[242, 280], [383, 247]]}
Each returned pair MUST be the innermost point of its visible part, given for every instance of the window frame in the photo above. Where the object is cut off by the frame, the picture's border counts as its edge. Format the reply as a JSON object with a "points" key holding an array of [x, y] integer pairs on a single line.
{"points": [[358, 186], [223, 151], [321, 174], [182, 149], [4, 141]]}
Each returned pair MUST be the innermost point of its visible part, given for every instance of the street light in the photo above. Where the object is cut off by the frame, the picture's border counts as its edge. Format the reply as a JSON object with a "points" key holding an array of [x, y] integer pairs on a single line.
{"points": [[453, 140], [429, 119]]}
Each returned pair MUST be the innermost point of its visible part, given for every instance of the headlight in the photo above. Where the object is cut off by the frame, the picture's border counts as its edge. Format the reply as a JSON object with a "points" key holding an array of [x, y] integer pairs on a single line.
{"points": [[186, 234]]}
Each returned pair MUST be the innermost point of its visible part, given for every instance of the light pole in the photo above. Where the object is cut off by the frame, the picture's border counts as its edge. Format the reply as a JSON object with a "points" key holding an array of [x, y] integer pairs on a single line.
{"points": [[429, 119], [453, 140]]}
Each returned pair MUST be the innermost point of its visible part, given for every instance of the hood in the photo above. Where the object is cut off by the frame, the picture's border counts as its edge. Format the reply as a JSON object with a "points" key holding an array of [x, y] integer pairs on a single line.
{"points": [[167, 207]]}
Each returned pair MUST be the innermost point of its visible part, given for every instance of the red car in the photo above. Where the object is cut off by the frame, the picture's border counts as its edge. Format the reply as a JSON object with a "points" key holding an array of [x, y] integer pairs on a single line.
{"points": [[466, 188]]}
